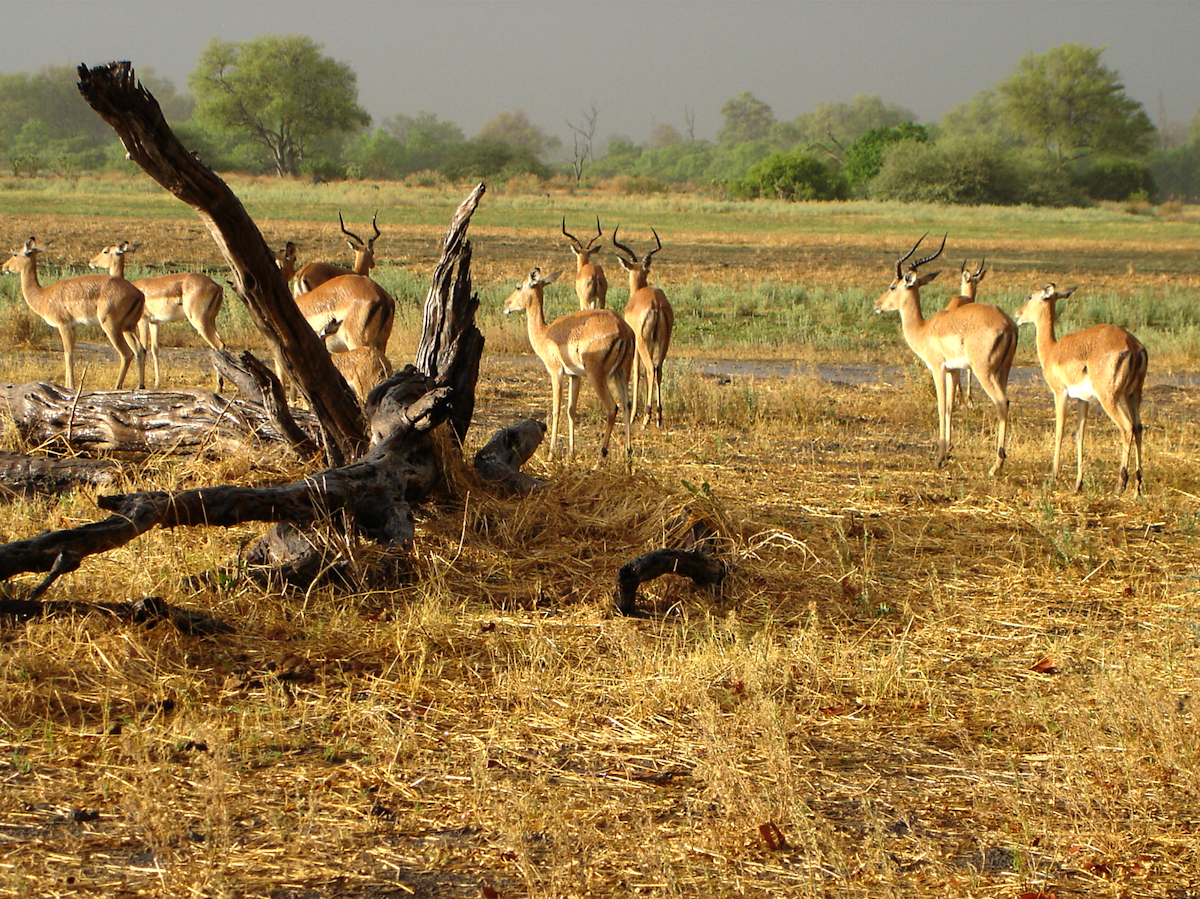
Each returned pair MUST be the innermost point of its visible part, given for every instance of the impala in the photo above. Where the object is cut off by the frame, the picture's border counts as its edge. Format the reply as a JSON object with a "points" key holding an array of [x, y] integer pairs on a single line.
{"points": [[590, 284], [976, 336], [169, 298], [652, 319], [362, 368], [969, 282], [112, 303], [349, 311], [591, 343], [1103, 363], [315, 274]]}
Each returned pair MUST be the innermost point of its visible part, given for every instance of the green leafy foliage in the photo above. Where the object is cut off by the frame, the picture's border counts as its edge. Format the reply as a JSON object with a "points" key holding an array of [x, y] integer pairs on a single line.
{"points": [[790, 176], [278, 91], [1114, 178], [1066, 101], [864, 157]]}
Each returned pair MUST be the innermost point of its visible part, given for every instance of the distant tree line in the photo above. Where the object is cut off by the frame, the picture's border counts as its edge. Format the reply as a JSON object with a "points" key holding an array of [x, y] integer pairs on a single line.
{"points": [[1058, 130]]}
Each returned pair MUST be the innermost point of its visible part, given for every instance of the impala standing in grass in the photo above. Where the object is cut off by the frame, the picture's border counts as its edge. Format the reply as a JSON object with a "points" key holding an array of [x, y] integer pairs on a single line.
{"points": [[315, 274], [976, 336], [591, 343], [169, 298], [590, 284], [112, 303], [652, 320], [1103, 363], [969, 285], [348, 311]]}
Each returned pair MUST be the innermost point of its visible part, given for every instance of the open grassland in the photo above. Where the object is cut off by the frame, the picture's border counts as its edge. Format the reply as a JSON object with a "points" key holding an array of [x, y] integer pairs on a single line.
{"points": [[915, 681]]}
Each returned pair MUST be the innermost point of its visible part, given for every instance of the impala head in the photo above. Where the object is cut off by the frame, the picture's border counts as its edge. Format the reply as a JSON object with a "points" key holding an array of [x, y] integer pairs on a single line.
{"points": [[1048, 295], [22, 258], [362, 249], [106, 257], [583, 251], [286, 260], [631, 264], [968, 278], [910, 281], [528, 291]]}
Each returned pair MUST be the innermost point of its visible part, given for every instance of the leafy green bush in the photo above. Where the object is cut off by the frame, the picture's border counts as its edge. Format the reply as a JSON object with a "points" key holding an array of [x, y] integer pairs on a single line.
{"points": [[864, 158], [790, 176], [1117, 178]]}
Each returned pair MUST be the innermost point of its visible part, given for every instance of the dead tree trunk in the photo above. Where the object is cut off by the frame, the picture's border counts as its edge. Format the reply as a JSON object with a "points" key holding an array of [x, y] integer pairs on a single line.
{"points": [[114, 92], [135, 423], [373, 495]]}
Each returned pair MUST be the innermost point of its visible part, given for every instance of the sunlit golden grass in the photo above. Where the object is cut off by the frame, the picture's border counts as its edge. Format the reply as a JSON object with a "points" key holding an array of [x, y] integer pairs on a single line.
{"points": [[914, 681]]}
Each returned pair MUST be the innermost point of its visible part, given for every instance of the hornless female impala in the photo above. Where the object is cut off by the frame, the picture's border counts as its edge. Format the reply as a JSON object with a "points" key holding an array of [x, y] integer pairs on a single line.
{"points": [[349, 311], [590, 284], [316, 273], [970, 284], [652, 320], [592, 343], [169, 298], [975, 336], [1103, 363], [112, 303]]}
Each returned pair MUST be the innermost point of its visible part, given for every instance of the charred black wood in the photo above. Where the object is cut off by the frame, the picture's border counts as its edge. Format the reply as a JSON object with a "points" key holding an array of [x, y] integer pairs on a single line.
{"points": [[500, 460]]}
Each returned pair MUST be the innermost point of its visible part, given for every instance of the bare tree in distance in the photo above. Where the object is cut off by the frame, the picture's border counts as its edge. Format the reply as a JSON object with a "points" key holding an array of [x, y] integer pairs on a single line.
{"points": [[584, 134]]}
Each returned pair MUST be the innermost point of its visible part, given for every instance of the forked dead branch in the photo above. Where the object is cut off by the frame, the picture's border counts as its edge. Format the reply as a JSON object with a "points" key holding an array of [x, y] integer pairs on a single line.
{"points": [[374, 493]]}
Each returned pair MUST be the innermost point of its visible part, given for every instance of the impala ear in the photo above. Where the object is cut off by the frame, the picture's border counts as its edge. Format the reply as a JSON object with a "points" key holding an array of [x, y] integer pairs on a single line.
{"points": [[923, 279], [552, 278], [1066, 293], [626, 264]]}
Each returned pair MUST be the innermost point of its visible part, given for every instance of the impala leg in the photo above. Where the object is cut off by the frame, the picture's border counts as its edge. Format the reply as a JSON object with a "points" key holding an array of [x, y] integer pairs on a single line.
{"points": [[608, 406], [995, 389], [942, 384], [67, 334], [658, 376], [1120, 415], [636, 372], [148, 331], [572, 413], [205, 323], [556, 387], [1134, 400], [1081, 412], [1060, 421]]}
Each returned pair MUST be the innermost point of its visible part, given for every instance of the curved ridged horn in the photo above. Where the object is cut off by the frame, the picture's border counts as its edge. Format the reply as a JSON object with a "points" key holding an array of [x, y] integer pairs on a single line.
{"points": [[599, 234], [574, 239], [901, 260], [646, 261], [620, 246], [913, 266], [358, 240]]}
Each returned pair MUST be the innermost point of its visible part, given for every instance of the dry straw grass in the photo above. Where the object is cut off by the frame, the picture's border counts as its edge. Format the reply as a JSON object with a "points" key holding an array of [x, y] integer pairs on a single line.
{"points": [[914, 682]]}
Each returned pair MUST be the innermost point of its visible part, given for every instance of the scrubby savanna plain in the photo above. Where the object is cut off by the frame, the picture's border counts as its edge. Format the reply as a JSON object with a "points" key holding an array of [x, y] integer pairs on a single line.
{"points": [[914, 682]]}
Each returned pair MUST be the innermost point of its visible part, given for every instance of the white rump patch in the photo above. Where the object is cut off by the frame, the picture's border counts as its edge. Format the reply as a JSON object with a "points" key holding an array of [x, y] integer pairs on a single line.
{"points": [[1083, 391]]}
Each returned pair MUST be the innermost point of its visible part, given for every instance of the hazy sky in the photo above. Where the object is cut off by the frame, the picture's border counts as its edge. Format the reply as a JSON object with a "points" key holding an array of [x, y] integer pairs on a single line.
{"points": [[640, 62]]}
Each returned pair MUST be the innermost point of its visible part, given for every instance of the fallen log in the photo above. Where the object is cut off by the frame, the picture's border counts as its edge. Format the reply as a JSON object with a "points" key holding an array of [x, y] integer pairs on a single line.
{"points": [[136, 423], [703, 569], [22, 475]]}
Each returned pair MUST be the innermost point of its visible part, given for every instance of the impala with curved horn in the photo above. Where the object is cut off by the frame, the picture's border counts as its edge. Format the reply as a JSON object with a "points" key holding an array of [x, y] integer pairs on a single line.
{"points": [[976, 336], [969, 285], [348, 312], [315, 274], [652, 319], [183, 296], [590, 284], [1103, 363], [591, 343]]}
